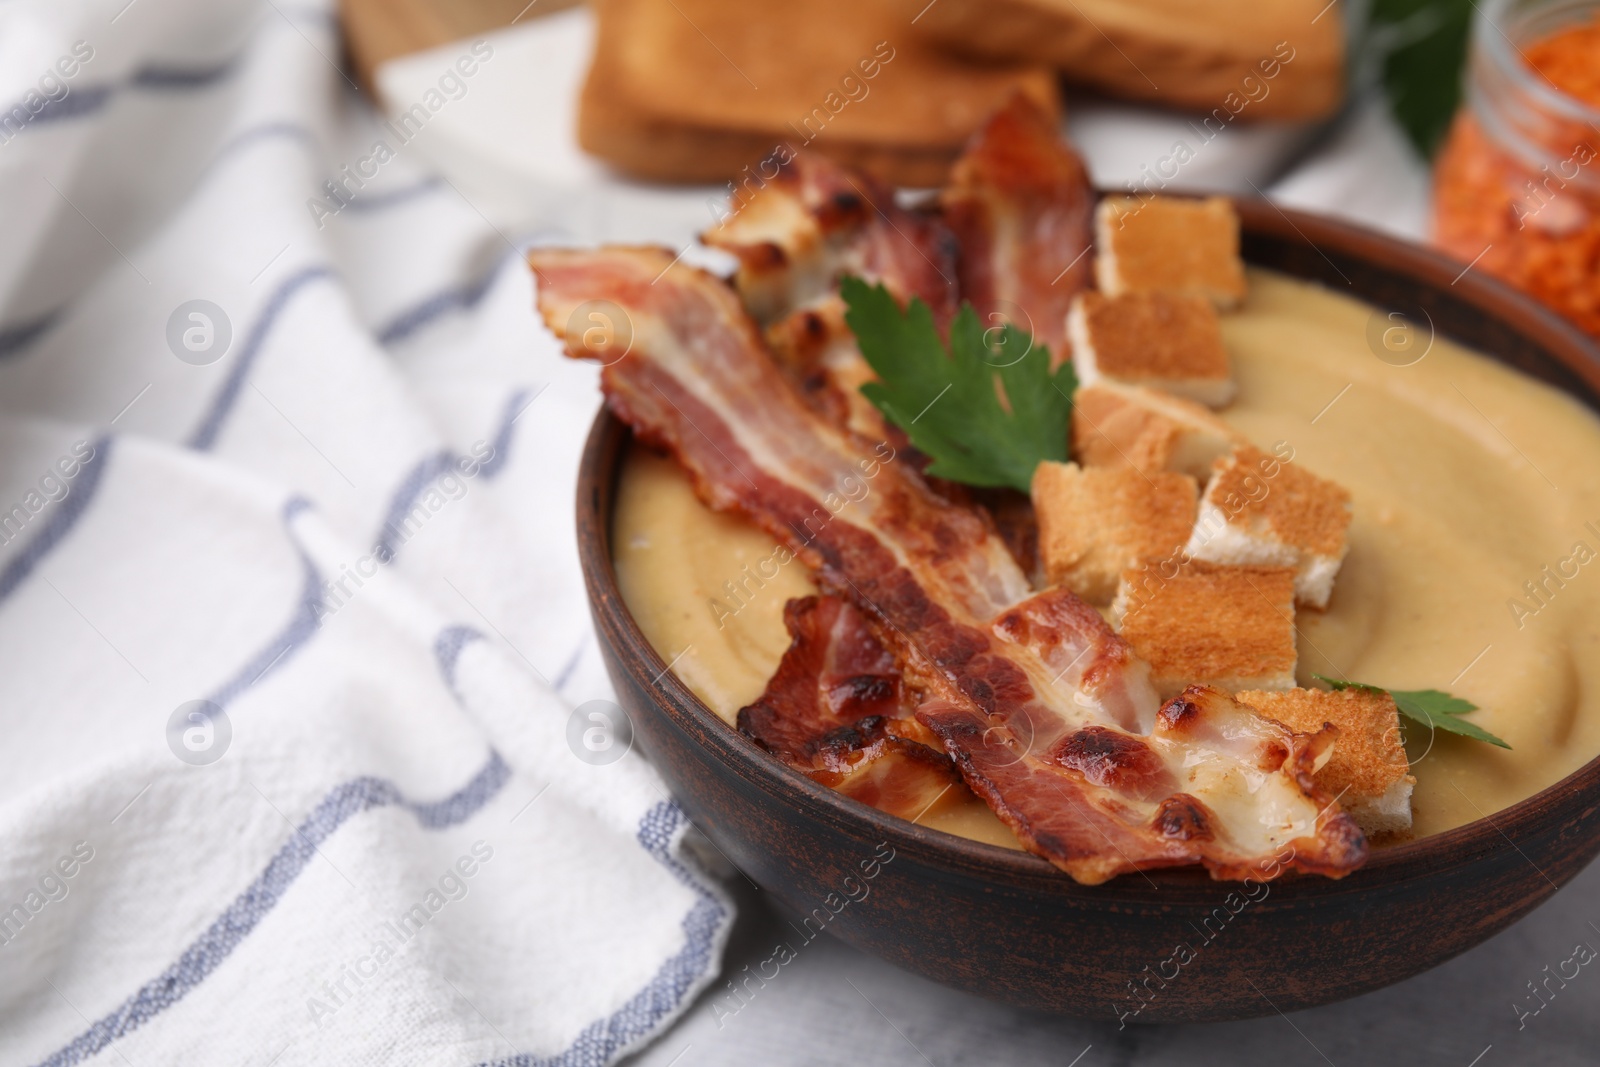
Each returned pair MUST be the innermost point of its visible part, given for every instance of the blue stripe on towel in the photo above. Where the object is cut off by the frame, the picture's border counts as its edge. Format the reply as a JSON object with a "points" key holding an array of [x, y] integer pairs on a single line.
{"points": [[307, 618], [422, 475], [13, 339], [391, 534], [296, 633], [85, 101], [93, 98], [515, 405], [447, 650], [89, 99], [565, 676], [65, 516], [663, 997], [597, 1044], [205, 435], [166, 78], [382, 201], [241, 917], [461, 297], [456, 298], [17, 338]]}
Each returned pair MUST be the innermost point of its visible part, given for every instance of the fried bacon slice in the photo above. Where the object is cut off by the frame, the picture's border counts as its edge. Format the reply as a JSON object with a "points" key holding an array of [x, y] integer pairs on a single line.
{"points": [[814, 221], [823, 360], [1006, 675], [1022, 208], [838, 710], [794, 236], [1206, 780], [906, 779], [834, 674]]}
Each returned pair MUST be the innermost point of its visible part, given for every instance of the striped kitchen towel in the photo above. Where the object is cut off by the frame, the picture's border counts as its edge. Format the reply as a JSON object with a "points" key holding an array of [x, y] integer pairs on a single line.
{"points": [[308, 753]]}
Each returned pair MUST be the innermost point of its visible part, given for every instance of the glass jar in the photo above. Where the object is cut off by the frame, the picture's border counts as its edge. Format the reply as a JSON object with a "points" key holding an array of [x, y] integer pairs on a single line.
{"points": [[1517, 184]]}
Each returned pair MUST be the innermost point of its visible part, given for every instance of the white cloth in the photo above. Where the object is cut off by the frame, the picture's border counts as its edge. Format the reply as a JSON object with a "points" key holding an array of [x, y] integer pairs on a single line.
{"points": [[352, 532]]}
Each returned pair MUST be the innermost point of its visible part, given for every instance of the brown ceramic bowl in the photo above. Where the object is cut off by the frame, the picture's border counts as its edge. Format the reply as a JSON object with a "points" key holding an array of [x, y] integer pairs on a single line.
{"points": [[1008, 926]]}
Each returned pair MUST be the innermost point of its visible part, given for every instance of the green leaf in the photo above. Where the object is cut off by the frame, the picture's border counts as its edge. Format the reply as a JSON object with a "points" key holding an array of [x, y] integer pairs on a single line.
{"points": [[1423, 44], [947, 401], [1433, 708], [1441, 710]]}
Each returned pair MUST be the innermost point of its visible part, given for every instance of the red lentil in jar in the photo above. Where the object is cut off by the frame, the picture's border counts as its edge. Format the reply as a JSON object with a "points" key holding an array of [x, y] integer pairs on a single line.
{"points": [[1517, 185]]}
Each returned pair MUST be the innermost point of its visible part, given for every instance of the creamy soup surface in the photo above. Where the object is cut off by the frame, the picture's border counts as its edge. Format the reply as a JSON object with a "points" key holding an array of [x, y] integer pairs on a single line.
{"points": [[1473, 564]]}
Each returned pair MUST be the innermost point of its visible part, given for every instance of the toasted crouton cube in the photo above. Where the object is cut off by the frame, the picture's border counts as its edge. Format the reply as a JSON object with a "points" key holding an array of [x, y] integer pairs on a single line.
{"points": [[1116, 425], [1095, 524], [1368, 770], [1171, 244], [1231, 627], [1262, 510], [1166, 341]]}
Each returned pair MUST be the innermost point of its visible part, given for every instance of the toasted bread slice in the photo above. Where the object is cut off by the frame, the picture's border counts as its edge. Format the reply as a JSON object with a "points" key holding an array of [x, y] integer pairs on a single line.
{"points": [[1234, 59], [697, 90], [1259, 509], [1170, 244], [1094, 524], [1368, 770], [1195, 622], [1119, 425], [1166, 341]]}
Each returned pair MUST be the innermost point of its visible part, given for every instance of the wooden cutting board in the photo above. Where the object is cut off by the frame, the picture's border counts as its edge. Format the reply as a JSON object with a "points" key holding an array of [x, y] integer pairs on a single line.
{"points": [[376, 31]]}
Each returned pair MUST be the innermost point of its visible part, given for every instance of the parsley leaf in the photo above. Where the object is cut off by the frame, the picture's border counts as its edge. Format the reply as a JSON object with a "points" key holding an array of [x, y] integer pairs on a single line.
{"points": [[948, 403], [1423, 50], [1433, 708]]}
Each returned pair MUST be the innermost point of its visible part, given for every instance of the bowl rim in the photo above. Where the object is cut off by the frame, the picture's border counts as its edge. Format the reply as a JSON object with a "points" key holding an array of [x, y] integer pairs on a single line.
{"points": [[606, 449]]}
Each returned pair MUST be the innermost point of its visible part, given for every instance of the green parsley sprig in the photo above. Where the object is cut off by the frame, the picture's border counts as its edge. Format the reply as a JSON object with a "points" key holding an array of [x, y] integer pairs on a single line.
{"points": [[1433, 708], [1421, 46], [949, 401]]}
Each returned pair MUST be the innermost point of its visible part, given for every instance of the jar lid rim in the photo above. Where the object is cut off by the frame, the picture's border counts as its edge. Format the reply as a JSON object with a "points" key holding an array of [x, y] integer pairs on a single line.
{"points": [[1494, 42]]}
